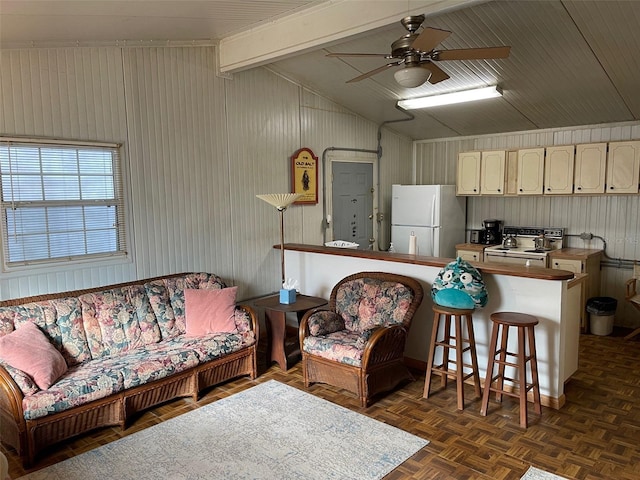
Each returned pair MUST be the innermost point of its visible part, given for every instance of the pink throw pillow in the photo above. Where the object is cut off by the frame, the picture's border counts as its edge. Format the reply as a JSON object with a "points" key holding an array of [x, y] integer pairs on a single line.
{"points": [[210, 311], [29, 350]]}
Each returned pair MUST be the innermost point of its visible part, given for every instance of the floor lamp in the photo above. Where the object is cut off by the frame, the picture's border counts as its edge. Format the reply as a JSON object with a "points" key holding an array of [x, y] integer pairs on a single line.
{"points": [[281, 201]]}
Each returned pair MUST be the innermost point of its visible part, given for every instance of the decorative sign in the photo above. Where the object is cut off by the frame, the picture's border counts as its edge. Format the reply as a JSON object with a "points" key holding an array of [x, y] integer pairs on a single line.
{"points": [[304, 176]]}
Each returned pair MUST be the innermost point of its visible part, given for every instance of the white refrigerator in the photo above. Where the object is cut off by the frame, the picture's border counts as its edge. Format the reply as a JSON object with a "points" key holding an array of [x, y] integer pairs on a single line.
{"points": [[433, 213]]}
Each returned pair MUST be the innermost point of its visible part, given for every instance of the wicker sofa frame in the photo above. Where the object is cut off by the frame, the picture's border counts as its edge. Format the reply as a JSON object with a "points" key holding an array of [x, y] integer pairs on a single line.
{"points": [[382, 366], [29, 437]]}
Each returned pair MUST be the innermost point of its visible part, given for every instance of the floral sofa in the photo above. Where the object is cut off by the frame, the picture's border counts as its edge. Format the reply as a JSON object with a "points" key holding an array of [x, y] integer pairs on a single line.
{"points": [[122, 348]]}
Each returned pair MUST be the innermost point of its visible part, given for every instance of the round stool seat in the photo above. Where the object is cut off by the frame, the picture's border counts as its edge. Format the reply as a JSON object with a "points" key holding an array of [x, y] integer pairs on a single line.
{"points": [[514, 319], [452, 311]]}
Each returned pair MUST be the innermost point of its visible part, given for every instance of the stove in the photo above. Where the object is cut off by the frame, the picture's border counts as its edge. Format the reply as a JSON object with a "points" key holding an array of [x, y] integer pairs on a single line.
{"points": [[525, 253]]}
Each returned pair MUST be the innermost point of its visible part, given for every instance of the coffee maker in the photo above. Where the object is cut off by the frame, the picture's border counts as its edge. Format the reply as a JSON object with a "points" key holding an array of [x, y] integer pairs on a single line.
{"points": [[492, 231]]}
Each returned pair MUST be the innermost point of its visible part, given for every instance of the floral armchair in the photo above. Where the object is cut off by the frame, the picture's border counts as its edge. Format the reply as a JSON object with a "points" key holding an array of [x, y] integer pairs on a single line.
{"points": [[357, 342]]}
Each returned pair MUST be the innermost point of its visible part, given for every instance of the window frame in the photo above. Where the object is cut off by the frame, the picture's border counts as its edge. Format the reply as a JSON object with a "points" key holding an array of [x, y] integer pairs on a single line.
{"points": [[123, 244]]}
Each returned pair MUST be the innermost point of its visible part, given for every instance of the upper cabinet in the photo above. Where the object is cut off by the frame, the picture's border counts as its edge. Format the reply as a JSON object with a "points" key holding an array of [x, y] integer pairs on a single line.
{"points": [[530, 171], [623, 167], [558, 170], [492, 170], [468, 174], [590, 167], [587, 169]]}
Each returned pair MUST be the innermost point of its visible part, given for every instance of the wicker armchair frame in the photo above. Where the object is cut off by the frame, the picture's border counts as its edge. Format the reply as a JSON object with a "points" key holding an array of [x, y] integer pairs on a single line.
{"points": [[29, 437], [382, 366]]}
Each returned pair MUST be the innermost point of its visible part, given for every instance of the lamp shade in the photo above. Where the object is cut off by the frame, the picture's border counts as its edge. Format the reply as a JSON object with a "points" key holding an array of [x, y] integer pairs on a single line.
{"points": [[411, 77], [280, 200]]}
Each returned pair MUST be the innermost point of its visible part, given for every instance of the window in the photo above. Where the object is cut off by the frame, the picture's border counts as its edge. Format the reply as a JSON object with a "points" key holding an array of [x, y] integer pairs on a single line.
{"points": [[61, 201]]}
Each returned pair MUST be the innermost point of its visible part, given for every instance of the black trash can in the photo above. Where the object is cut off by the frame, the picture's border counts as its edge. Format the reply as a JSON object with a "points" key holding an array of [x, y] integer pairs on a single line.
{"points": [[601, 314]]}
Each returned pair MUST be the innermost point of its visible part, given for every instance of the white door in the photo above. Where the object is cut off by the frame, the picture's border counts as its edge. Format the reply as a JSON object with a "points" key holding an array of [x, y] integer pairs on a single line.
{"points": [[352, 202]]}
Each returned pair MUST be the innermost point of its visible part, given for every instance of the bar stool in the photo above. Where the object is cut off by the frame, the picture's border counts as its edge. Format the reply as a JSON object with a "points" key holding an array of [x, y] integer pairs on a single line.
{"points": [[525, 325], [458, 345]]}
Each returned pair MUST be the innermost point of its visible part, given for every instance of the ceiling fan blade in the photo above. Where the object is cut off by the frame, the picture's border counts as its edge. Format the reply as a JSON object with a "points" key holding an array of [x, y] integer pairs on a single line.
{"points": [[429, 39], [437, 74], [384, 55], [472, 53], [373, 72]]}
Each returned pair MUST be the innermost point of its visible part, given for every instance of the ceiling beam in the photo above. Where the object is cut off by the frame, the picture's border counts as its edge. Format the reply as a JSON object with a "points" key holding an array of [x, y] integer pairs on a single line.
{"points": [[322, 24]]}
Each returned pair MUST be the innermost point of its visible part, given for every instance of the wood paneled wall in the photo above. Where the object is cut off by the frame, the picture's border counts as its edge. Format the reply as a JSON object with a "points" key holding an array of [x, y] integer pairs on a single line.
{"points": [[198, 148]]}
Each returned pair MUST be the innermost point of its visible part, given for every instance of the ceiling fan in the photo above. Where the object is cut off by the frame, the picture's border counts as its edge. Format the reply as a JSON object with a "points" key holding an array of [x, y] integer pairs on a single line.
{"points": [[417, 54]]}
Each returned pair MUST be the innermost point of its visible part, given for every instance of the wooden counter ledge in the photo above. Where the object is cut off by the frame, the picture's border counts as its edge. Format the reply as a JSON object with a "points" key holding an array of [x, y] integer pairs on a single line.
{"points": [[497, 268]]}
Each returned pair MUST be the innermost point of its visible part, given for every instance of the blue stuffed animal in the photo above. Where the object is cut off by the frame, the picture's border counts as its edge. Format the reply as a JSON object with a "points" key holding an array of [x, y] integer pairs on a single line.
{"points": [[459, 285]]}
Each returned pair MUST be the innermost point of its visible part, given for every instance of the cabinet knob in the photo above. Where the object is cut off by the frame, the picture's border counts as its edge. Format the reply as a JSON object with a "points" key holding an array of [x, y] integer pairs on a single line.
{"points": [[578, 188], [520, 189], [499, 190], [611, 187], [548, 189]]}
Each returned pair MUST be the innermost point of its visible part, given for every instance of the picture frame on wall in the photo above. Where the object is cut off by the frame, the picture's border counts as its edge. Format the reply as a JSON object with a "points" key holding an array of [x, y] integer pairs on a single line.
{"points": [[304, 176]]}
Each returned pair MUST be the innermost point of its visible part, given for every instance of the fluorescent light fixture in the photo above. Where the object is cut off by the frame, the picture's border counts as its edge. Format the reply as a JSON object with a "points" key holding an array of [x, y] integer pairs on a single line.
{"points": [[449, 98]]}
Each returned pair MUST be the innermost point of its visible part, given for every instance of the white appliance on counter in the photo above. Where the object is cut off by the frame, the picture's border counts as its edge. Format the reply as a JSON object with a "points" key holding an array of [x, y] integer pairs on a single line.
{"points": [[432, 213], [525, 251]]}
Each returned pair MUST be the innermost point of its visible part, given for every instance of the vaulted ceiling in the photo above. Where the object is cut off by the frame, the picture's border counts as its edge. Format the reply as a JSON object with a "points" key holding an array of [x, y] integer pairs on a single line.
{"points": [[571, 62]]}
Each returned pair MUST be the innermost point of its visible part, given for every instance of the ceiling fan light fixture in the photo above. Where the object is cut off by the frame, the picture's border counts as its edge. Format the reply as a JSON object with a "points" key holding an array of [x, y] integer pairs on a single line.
{"points": [[411, 77], [451, 98]]}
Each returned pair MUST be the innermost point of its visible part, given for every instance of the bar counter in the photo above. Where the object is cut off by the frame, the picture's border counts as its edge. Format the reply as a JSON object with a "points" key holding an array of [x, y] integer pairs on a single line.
{"points": [[548, 294]]}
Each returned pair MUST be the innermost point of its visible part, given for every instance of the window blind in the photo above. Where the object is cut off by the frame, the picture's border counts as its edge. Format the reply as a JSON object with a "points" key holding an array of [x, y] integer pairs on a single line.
{"points": [[60, 201]]}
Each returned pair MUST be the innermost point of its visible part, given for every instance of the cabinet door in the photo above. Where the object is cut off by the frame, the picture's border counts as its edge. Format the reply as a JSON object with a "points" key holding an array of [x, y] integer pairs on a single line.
{"points": [[469, 255], [511, 174], [558, 170], [530, 171], [590, 168], [623, 167], [468, 174], [492, 172], [575, 266]]}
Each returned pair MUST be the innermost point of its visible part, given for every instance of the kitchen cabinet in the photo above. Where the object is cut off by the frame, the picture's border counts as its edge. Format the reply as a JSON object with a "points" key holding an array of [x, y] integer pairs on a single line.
{"points": [[580, 260], [492, 171], [530, 171], [471, 252], [511, 174], [590, 165], [623, 167], [468, 174], [558, 170]]}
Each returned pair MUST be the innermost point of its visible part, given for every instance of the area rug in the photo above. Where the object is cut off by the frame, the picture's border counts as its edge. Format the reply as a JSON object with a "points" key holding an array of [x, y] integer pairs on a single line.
{"points": [[270, 431], [536, 474]]}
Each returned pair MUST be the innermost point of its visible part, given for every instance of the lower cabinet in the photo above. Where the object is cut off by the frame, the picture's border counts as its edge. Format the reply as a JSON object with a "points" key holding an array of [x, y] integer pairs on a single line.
{"points": [[578, 260], [470, 255]]}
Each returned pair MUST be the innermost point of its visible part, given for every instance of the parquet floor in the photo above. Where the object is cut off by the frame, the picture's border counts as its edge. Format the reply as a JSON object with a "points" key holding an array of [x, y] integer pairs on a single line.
{"points": [[596, 435]]}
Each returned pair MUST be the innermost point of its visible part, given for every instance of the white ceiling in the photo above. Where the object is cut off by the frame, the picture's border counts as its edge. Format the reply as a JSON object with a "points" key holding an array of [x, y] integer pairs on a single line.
{"points": [[571, 62]]}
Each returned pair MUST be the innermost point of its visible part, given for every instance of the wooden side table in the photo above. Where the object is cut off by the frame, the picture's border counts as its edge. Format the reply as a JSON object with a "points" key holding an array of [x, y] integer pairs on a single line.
{"points": [[275, 316]]}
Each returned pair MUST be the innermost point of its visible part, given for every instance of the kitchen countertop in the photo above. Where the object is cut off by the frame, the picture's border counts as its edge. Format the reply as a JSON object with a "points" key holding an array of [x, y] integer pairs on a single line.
{"points": [[474, 247], [581, 253], [497, 268]]}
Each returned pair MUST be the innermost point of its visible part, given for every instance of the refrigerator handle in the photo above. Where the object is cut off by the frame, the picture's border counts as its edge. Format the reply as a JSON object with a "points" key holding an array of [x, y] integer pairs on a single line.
{"points": [[433, 242], [433, 212]]}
